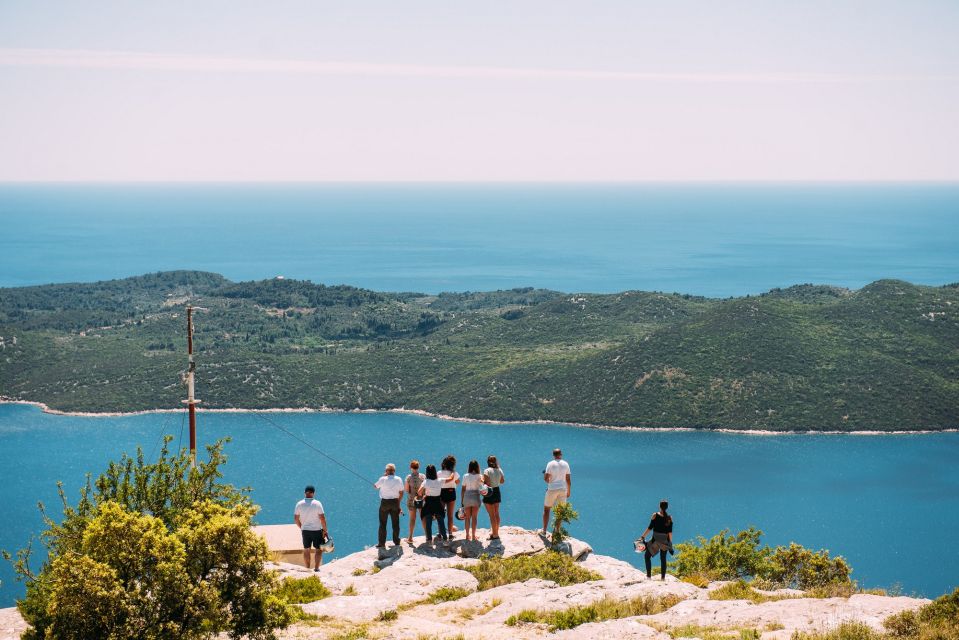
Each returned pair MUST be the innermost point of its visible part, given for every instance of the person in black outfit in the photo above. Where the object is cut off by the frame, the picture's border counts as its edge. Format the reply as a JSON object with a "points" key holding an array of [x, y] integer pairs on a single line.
{"points": [[661, 524]]}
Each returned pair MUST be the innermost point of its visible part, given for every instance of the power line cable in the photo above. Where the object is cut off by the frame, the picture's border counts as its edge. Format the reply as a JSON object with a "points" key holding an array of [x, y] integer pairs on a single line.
{"points": [[310, 446]]}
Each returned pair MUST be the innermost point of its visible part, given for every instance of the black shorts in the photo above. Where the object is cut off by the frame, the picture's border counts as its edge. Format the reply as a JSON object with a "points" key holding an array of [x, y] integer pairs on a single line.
{"points": [[313, 538], [448, 495], [492, 496]]}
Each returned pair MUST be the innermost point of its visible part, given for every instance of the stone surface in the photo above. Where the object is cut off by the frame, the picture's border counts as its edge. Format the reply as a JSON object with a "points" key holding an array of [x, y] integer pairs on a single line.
{"points": [[405, 576]]}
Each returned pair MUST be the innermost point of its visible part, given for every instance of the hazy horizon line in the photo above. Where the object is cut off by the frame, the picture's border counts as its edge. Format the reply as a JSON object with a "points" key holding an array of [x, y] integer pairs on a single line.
{"points": [[159, 61]]}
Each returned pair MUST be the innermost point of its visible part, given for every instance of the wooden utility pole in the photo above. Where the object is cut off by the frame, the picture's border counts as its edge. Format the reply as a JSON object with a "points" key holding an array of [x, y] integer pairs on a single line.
{"points": [[190, 400]]}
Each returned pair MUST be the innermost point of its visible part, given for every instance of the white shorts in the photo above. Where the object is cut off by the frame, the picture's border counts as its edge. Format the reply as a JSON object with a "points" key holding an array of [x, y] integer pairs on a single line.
{"points": [[554, 497]]}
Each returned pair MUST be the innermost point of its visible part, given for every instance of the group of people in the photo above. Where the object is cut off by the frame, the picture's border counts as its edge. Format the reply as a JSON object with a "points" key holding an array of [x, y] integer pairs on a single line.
{"points": [[432, 496]]}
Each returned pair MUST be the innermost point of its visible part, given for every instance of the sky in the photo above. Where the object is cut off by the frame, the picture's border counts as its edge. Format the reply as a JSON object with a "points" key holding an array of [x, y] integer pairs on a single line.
{"points": [[616, 90]]}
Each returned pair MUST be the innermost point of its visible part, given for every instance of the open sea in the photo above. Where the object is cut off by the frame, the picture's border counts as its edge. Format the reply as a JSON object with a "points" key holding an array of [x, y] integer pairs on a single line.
{"points": [[889, 504], [713, 240]]}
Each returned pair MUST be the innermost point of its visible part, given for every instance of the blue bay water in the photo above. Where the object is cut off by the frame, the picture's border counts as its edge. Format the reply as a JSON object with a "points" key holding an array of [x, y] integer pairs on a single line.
{"points": [[715, 240], [889, 504]]}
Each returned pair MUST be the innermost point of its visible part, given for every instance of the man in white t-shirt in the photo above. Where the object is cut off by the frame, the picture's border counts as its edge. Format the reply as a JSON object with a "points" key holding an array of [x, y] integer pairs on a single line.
{"points": [[310, 518], [391, 489], [558, 485]]}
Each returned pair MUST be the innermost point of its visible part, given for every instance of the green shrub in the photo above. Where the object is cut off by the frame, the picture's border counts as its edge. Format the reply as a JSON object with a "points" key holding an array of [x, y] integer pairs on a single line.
{"points": [[563, 514], [845, 631], [722, 557], [800, 568], [606, 609], [157, 551], [557, 567], [302, 590], [743, 556], [740, 590], [938, 620], [447, 594], [388, 616]]}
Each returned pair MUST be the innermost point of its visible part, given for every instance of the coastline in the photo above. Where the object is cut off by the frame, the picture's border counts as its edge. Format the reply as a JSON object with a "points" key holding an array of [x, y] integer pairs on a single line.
{"points": [[427, 414]]}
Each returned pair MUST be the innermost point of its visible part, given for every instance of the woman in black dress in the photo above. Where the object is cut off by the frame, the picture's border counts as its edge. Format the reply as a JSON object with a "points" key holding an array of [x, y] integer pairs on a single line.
{"points": [[661, 524]]}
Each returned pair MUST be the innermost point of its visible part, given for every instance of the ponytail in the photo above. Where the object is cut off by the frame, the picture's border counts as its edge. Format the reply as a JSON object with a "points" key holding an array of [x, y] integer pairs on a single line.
{"points": [[663, 506]]}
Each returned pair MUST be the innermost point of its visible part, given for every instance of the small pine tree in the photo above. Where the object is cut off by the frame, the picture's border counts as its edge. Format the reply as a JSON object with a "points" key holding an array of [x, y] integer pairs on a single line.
{"points": [[563, 514]]}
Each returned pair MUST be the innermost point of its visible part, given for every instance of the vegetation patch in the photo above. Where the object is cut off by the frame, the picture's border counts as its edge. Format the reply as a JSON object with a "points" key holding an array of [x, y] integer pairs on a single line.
{"points": [[740, 590], [709, 632], [447, 594], [743, 556], [938, 620], [495, 571], [302, 590], [796, 358], [845, 631], [606, 609], [205, 572]]}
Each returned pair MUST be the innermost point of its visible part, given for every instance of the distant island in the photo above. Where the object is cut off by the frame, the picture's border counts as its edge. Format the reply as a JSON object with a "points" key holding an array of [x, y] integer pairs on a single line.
{"points": [[808, 357]]}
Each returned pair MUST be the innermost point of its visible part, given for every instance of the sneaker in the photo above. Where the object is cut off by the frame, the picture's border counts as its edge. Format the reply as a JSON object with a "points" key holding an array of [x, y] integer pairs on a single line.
{"points": [[316, 570]]}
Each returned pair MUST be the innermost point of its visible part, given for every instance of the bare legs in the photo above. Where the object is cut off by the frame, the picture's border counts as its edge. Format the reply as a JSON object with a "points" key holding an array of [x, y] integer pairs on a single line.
{"points": [[493, 511], [450, 509], [546, 511], [306, 558], [469, 525], [413, 511]]}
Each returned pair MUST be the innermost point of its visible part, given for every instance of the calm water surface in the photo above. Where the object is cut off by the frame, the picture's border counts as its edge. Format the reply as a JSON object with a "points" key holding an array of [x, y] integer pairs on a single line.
{"points": [[714, 240], [889, 504]]}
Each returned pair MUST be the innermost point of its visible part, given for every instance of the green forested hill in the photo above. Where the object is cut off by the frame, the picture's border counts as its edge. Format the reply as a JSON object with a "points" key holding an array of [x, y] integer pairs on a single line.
{"points": [[807, 357]]}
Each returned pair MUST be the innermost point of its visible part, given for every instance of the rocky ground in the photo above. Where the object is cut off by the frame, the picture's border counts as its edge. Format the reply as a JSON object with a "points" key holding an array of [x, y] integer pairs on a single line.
{"points": [[409, 574], [381, 595]]}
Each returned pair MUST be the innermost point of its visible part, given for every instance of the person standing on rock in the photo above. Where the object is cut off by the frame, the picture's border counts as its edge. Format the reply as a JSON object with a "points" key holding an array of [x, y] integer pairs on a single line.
{"points": [[470, 497], [391, 490], [558, 485], [450, 479], [310, 518], [494, 479], [661, 524], [433, 507], [412, 487]]}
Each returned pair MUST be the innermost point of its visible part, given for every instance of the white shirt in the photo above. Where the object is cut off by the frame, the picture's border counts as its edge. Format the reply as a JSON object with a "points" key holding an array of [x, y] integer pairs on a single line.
{"points": [[433, 487], [309, 511], [390, 487], [557, 470], [444, 474], [494, 475], [472, 481]]}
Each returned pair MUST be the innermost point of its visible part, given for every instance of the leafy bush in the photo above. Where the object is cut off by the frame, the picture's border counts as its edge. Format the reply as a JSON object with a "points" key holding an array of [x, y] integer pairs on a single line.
{"points": [[938, 620], [388, 616], [557, 567], [157, 551], [800, 568], [563, 514], [606, 609], [743, 556], [302, 590], [722, 557]]}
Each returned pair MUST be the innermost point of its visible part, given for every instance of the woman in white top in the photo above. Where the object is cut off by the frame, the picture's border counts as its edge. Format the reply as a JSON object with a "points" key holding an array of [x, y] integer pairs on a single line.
{"points": [[470, 492], [448, 474], [433, 507], [494, 478]]}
